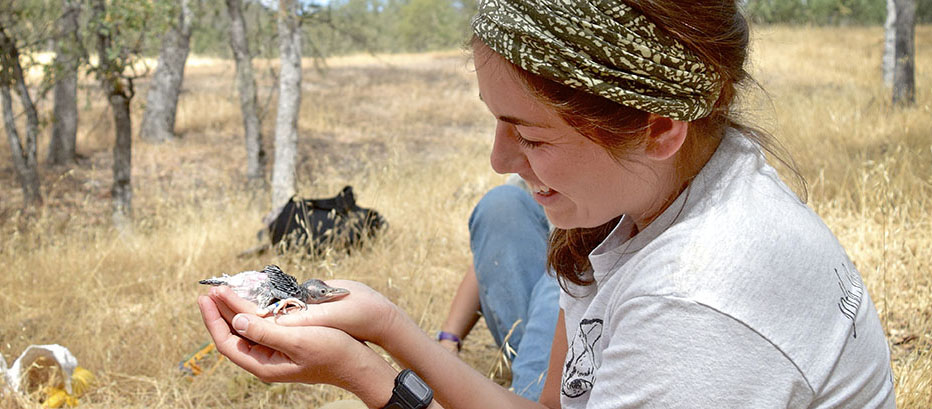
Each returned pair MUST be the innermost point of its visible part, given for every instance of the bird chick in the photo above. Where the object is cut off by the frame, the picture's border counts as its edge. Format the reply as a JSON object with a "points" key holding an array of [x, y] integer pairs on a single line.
{"points": [[274, 291]]}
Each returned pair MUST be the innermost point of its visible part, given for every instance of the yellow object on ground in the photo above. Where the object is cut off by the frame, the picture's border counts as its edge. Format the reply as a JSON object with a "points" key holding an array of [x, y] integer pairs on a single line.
{"points": [[81, 382], [57, 398], [191, 366]]}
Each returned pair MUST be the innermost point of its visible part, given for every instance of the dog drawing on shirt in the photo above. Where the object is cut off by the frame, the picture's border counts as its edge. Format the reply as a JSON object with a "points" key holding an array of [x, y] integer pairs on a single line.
{"points": [[579, 370]]}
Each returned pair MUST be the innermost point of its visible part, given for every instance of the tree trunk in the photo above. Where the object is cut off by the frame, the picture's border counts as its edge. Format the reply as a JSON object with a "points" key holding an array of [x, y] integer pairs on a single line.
{"points": [[122, 190], [24, 158], [26, 170], [289, 103], [246, 86], [65, 118], [65, 109], [904, 75], [158, 121], [119, 93], [889, 43]]}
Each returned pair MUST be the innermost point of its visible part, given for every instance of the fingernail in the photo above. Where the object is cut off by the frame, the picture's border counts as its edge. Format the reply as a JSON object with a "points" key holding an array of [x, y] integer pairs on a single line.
{"points": [[240, 323]]}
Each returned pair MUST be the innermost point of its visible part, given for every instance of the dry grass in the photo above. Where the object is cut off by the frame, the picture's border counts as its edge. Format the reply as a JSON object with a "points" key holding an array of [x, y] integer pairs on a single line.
{"points": [[409, 133]]}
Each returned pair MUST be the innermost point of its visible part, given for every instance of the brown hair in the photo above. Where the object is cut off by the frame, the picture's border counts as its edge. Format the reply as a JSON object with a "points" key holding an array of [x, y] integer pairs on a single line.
{"points": [[718, 33]]}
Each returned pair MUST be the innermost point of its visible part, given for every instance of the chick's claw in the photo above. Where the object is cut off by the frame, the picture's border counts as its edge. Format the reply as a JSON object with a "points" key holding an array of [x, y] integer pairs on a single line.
{"points": [[282, 306]]}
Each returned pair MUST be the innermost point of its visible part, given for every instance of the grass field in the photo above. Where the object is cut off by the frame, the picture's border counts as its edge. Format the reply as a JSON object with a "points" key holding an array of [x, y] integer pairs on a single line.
{"points": [[409, 133]]}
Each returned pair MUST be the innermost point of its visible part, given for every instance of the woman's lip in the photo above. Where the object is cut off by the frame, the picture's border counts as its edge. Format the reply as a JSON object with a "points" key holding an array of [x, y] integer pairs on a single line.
{"points": [[546, 198]]}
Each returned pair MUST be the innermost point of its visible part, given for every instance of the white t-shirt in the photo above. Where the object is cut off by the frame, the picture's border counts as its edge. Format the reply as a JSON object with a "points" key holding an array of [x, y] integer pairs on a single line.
{"points": [[737, 295]]}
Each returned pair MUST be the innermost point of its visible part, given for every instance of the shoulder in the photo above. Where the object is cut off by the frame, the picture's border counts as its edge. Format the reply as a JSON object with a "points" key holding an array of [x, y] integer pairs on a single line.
{"points": [[740, 269], [736, 234], [749, 250]]}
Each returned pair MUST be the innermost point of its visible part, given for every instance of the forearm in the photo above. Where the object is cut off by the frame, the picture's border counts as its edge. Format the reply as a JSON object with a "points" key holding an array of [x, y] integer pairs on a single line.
{"points": [[372, 381], [455, 384], [464, 310]]}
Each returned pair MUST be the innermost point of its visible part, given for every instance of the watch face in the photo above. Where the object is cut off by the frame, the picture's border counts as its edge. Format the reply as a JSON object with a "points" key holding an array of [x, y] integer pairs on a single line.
{"points": [[411, 392], [417, 387]]}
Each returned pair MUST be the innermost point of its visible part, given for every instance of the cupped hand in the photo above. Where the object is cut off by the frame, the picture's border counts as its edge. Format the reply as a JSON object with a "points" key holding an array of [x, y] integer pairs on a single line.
{"points": [[276, 353], [364, 314]]}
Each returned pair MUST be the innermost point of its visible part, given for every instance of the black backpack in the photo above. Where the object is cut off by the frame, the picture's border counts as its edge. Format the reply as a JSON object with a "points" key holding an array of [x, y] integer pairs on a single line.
{"points": [[314, 225]]}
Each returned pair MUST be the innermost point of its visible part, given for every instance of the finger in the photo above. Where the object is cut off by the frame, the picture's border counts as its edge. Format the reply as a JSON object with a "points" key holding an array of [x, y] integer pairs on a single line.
{"points": [[233, 301], [348, 284], [217, 326], [260, 360], [221, 306], [266, 363], [264, 332], [326, 314]]}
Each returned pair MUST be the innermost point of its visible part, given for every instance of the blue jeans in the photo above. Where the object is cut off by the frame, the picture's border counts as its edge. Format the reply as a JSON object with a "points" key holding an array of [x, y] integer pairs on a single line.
{"points": [[508, 237]]}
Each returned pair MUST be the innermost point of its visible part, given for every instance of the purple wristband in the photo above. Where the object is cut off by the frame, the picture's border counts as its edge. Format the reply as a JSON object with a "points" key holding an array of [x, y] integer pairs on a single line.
{"points": [[446, 336]]}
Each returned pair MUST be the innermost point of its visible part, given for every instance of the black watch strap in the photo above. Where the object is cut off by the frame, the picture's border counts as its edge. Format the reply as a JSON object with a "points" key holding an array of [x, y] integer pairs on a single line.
{"points": [[410, 392]]}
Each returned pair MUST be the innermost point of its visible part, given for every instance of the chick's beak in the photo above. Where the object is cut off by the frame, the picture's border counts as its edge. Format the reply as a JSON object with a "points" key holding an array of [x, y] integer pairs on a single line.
{"points": [[337, 292]]}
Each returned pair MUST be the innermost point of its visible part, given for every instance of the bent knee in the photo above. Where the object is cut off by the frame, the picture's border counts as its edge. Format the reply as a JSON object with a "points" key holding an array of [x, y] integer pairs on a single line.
{"points": [[503, 204]]}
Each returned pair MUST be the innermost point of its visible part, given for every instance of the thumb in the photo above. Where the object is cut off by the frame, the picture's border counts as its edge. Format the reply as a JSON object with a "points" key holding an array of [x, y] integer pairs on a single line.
{"points": [[261, 331]]}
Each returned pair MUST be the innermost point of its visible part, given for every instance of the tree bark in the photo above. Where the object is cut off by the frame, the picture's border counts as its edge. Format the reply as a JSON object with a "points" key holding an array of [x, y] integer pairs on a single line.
{"points": [[158, 120], [246, 86], [889, 43], [122, 189], [24, 157], [119, 93], [65, 109], [904, 73], [289, 103]]}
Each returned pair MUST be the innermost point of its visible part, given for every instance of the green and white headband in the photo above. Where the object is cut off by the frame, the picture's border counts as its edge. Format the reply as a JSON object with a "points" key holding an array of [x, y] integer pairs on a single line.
{"points": [[603, 47]]}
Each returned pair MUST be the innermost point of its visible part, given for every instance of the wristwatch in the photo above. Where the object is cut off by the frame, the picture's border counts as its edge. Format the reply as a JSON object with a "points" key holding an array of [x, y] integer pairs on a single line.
{"points": [[410, 392]]}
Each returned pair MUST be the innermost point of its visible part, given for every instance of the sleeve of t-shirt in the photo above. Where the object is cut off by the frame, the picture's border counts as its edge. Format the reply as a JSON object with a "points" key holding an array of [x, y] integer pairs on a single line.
{"points": [[671, 352]]}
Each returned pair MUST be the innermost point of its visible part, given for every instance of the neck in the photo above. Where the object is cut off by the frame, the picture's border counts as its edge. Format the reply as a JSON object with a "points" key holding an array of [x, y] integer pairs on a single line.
{"points": [[303, 293], [678, 174]]}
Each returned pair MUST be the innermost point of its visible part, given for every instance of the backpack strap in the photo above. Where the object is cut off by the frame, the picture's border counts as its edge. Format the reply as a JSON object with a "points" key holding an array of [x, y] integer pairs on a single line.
{"points": [[345, 201]]}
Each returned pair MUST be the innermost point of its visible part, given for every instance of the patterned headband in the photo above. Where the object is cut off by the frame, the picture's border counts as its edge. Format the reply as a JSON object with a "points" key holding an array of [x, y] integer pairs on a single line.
{"points": [[603, 47]]}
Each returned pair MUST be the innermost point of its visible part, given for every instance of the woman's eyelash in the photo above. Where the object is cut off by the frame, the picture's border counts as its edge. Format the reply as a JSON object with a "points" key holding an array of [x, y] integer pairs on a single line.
{"points": [[526, 143]]}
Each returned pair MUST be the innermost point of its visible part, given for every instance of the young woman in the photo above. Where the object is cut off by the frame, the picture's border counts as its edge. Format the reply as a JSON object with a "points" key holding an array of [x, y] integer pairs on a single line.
{"points": [[692, 276]]}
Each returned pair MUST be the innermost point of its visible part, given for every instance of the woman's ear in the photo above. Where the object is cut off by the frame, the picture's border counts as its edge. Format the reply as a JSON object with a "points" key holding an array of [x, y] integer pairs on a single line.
{"points": [[665, 138]]}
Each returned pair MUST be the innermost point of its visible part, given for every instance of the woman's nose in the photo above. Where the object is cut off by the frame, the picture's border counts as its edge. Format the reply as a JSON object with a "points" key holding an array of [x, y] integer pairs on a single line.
{"points": [[506, 156]]}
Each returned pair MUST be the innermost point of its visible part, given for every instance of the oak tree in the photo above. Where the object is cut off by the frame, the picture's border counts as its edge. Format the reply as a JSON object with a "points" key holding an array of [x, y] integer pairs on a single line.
{"points": [[904, 72], [158, 121], [289, 102], [120, 28], [69, 53], [24, 152], [246, 87]]}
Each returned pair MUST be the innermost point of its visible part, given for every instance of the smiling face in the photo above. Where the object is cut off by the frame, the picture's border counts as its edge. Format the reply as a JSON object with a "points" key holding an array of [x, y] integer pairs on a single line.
{"points": [[575, 180]]}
